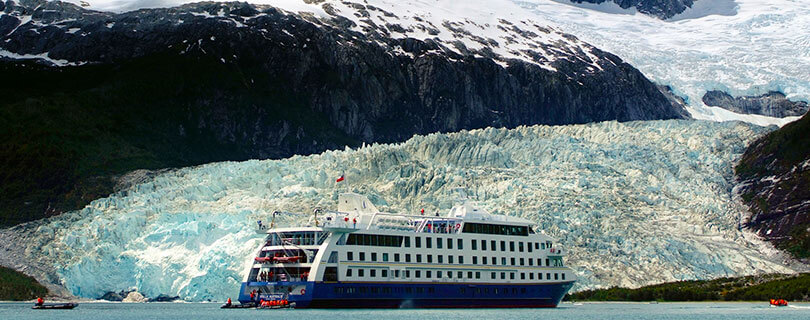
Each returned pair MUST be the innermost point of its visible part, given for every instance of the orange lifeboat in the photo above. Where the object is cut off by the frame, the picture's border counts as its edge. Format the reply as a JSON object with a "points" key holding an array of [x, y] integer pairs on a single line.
{"points": [[779, 303]]}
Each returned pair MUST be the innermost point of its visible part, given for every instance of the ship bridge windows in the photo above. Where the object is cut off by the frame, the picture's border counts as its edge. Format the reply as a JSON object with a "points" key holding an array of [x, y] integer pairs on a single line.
{"points": [[486, 228], [300, 238], [375, 240]]}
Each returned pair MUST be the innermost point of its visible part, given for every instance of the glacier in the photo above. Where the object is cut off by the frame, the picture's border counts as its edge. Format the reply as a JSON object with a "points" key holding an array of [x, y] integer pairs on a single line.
{"points": [[635, 203], [743, 47]]}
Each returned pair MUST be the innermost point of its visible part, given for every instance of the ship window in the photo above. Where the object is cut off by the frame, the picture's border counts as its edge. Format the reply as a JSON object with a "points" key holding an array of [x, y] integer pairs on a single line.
{"points": [[384, 273], [430, 258], [473, 244], [438, 243], [537, 245], [349, 255], [503, 275], [460, 274], [512, 275], [428, 242], [483, 260], [543, 246], [385, 257], [374, 256], [475, 259], [523, 290], [407, 242], [450, 274], [539, 276], [503, 245], [492, 245], [563, 276], [450, 259], [547, 263], [483, 245], [418, 242], [513, 261], [373, 273], [529, 246], [522, 276], [478, 275], [548, 244], [449, 243], [441, 258], [493, 275], [531, 262], [503, 261], [556, 276], [495, 229], [539, 262], [396, 257], [362, 256], [428, 274], [360, 272], [494, 261], [407, 274], [407, 257], [531, 276], [521, 261], [461, 244], [330, 274], [396, 273], [548, 276], [512, 246], [333, 257], [520, 246], [438, 274], [460, 259], [374, 240], [348, 272], [469, 274], [418, 273]]}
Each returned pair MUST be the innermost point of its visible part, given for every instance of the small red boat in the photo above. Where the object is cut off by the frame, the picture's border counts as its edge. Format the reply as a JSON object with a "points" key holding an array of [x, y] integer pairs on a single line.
{"points": [[779, 303]]}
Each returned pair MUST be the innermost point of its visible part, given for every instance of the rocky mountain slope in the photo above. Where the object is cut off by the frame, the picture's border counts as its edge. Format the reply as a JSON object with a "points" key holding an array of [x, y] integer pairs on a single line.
{"points": [[775, 175], [662, 9], [89, 95], [772, 104]]}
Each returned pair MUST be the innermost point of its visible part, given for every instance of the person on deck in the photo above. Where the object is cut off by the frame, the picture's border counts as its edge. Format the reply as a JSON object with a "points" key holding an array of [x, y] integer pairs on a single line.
{"points": [[40, 302], [228, 303]]}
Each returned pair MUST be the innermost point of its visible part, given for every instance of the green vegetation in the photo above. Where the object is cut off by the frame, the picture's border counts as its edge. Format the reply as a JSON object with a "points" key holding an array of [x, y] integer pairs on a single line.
{"points": [[777, 154], [17, 286], [750, 288], [66, 134]]}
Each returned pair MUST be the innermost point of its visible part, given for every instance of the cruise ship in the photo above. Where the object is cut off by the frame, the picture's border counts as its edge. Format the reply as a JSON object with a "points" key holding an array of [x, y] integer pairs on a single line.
{"points": [[358, 257]]}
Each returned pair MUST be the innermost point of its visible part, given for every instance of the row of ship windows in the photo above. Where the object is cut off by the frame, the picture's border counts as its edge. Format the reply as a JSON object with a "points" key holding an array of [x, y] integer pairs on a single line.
{"points": [[421, 290], [550, 262], [428, 274], [399, 241]]}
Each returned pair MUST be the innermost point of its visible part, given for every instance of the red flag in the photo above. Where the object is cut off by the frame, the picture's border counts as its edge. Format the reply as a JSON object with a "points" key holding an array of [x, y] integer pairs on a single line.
{"points": [[339, 179]]}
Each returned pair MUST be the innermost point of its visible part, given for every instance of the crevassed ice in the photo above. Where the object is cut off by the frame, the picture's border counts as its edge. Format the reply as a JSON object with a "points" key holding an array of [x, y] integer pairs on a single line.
{"points": [[634, 203]]}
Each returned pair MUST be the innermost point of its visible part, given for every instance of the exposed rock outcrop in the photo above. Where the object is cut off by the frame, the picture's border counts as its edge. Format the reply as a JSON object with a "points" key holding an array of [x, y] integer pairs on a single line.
{"points": [[772, 104]]}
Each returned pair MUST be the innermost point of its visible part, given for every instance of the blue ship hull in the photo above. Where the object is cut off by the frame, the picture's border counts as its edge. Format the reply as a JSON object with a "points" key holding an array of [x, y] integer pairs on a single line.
{"points": [[415, 295]]}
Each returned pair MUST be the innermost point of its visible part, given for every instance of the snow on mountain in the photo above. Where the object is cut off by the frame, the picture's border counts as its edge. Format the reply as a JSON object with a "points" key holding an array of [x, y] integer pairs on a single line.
{"points": [[635, 203], [743, 47]]}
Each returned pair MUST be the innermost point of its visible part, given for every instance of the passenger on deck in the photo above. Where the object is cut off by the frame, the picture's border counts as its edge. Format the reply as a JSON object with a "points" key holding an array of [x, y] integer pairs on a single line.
{"points": [[40, 301]]}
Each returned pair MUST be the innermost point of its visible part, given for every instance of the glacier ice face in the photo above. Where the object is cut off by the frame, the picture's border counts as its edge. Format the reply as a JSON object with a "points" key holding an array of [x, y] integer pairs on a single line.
{"points": [[635, 203]]}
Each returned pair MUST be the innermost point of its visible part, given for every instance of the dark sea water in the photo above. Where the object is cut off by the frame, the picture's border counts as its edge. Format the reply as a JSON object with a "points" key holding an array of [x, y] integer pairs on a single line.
{"points": [[608, 311]]}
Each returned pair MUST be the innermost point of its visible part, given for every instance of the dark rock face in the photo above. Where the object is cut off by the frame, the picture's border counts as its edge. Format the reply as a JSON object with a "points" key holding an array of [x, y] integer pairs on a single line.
{"points": [[773, 104], [206, 82], [663, 9], [775, 175]]}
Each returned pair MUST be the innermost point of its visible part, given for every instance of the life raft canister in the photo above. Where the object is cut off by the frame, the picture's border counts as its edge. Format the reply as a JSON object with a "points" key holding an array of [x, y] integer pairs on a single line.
{"points": [[303, 291]]}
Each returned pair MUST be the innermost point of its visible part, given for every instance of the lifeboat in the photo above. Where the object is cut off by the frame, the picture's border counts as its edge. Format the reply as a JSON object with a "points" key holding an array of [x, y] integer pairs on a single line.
{"points": [[779, 303], [286, 259], [262, 259]]}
